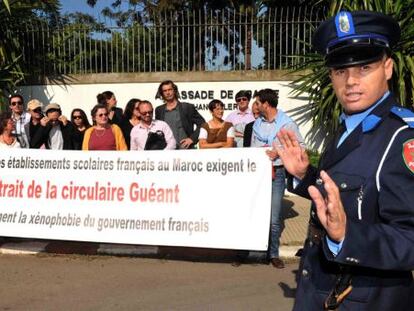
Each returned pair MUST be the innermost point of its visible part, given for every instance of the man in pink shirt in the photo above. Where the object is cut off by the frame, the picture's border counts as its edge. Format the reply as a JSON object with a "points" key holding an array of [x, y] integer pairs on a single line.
{"points": [[242, 116], [148, 127]]}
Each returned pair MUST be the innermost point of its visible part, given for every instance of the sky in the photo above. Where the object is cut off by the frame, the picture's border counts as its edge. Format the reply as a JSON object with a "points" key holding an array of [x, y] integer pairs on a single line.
{"points": [[69, 6]]}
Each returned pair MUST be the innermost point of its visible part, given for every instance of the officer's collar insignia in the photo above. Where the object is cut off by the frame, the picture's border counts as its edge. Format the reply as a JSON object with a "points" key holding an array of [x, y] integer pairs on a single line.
{"points": [[370, 123], [405, 114], [344, 24], [408, 154]]}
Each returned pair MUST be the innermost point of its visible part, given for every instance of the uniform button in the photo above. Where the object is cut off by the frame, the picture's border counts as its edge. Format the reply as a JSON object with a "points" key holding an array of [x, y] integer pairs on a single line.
{"points": [[319, 181], [351, 259], [343, 185], [313, 213], [305, 273], [310, 243]]}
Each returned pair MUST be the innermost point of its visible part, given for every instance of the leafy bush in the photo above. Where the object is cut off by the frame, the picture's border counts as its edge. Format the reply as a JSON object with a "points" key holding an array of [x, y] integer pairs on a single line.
{"points": [[314, 156]]}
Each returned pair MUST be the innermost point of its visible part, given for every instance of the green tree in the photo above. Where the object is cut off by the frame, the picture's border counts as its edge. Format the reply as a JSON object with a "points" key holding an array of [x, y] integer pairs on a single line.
{"points": [[13, 15], [236, 16], [324, 107], [75, 49]]}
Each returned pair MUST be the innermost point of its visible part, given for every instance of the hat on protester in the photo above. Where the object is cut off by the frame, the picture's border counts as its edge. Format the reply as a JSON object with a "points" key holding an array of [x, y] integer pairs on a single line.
{"points": [[34, 104], [52, 106], [356, 38]]}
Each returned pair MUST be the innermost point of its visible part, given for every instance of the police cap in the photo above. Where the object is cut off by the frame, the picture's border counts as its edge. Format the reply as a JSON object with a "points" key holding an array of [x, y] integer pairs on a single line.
{"points": [[356, 38]]}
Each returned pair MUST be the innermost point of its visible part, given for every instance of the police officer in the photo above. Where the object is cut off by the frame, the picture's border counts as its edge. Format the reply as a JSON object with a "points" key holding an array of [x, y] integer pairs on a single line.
{"points": [[360, 248]]}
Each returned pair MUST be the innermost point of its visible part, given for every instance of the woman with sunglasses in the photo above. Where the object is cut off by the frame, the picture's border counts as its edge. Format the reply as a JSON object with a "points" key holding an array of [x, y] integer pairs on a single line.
{"points": [[7, 126], [103, 135], [216, 133], [130, 118], [81, 124]]}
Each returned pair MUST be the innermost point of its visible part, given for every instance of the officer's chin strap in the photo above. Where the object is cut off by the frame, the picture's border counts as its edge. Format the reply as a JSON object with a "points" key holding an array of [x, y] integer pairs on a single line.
{"points": [[342, 288]]}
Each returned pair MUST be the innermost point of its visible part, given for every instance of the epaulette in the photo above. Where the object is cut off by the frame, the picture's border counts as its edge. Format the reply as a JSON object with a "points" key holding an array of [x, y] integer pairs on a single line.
{"points": [[370, 123], [405, 114]]}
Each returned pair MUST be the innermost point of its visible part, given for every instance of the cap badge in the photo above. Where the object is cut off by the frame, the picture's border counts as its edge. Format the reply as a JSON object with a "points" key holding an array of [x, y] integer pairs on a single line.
{"points": [[344, 24]]}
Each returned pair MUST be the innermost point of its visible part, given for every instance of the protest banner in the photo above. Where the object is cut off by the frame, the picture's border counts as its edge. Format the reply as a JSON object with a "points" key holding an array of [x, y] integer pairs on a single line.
{"points": [[199, 198]]}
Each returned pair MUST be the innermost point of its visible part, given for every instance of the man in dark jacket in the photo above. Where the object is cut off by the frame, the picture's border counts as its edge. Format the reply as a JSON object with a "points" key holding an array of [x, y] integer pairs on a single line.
{"points": [[360, 249], [183, 119], [56, 131], [34, 107]]}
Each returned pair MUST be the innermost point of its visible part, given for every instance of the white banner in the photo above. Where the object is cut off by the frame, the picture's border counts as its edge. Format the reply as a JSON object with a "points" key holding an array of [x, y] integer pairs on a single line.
{"points": [[199, 198]]}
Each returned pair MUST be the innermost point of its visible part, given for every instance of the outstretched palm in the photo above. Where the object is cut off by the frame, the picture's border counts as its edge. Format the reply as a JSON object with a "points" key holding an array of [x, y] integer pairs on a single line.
{"points": [[293, 155]]}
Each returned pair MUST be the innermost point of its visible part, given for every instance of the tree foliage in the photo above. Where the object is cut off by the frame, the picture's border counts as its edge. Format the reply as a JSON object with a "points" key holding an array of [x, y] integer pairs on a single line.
{"points": [[243, 13], [13, 15], [324, 107]]}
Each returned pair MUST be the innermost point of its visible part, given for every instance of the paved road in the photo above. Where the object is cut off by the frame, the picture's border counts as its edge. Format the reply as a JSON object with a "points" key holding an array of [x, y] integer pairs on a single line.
{"points": [[65, 282]]}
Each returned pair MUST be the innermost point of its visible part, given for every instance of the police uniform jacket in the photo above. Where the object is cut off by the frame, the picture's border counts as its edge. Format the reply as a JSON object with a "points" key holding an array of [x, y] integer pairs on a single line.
{"points": [[377, 191]]}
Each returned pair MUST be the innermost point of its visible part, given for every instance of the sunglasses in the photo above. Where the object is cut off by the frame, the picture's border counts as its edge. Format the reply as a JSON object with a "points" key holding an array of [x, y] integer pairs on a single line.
{"points": [[37, 110], [241, 98], [16, 103], [102, 115], [77, 117], [147, 112]]}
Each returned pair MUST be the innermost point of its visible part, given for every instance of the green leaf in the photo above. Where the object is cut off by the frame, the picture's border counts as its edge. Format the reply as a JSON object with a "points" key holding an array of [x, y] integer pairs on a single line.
{"points": [[7, 5]]}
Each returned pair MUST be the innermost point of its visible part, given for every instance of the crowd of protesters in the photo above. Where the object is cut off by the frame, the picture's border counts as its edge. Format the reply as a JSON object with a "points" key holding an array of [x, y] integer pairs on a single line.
{"points": [[176, 125]]}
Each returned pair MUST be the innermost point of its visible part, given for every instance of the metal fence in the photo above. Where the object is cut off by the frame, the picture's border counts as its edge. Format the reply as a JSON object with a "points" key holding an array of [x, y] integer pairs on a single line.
{"points": [[177, 41]]}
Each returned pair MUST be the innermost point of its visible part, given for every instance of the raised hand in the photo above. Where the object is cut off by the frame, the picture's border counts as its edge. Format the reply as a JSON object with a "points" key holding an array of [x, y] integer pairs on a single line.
{"points": [[330, 210], [44, 121], [63, 119], [293, 155]]}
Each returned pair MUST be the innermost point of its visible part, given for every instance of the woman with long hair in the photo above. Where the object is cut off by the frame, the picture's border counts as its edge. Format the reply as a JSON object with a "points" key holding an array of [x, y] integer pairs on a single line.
{"points": [[81, 124], [108, 99], [130, 118], [103, 135]]}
